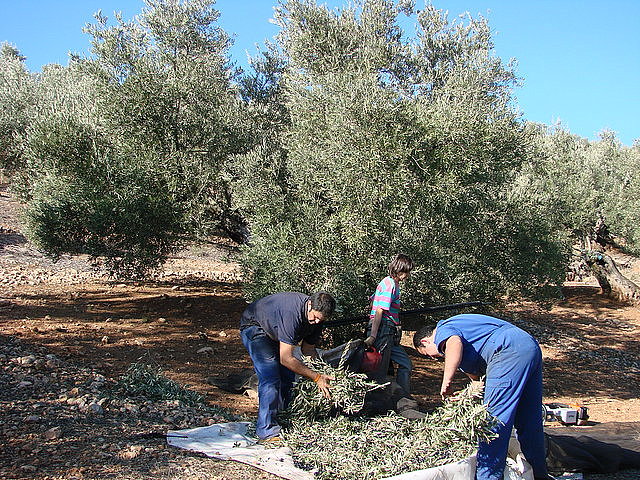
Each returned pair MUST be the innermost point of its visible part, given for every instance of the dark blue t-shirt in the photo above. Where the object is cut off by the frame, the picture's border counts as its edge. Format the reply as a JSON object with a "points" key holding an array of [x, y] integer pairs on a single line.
{"points": [[283, 317]]}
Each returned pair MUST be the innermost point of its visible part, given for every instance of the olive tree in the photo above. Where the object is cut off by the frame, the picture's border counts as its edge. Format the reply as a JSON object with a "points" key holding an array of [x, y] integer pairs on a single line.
{"points": [[17, 102], [126, 151], [588, 189], [393, 146], [165, 88]]}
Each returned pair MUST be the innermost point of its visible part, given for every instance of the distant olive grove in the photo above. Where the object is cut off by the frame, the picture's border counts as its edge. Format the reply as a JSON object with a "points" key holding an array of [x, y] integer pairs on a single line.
{"points": [[345, 143]]}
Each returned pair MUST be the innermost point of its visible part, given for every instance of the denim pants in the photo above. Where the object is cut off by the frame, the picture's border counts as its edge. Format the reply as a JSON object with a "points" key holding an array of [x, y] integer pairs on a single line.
{"points": [[274, 380]]}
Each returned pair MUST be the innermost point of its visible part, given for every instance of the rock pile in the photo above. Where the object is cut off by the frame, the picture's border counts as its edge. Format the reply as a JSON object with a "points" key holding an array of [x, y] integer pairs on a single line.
{"points": [[56, 415]]}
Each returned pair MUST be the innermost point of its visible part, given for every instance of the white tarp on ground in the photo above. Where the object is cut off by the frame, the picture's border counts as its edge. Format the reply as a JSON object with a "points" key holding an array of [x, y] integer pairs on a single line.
{"points": [[229, 441]]}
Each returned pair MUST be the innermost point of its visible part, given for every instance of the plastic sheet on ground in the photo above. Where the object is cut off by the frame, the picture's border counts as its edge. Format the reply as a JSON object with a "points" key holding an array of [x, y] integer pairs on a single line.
{"points": [[229, 441]]}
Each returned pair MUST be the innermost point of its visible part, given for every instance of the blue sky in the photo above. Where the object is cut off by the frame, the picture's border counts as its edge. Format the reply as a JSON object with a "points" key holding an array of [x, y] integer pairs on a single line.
{"points": [[579, 59]]}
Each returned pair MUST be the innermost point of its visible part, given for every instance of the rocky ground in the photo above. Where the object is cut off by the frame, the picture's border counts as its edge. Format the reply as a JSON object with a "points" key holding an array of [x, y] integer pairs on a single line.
{"points": [[68, 335]]}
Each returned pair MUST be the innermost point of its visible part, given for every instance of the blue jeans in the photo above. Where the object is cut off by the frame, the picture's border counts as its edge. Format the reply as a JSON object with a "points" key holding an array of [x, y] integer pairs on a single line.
{"points": [[274, 380], [398, 355]]}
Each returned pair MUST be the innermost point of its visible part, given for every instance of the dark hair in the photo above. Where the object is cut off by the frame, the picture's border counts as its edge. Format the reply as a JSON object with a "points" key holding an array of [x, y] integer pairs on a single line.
{"points": [[423, 332], [400, 264], [323, 302]]}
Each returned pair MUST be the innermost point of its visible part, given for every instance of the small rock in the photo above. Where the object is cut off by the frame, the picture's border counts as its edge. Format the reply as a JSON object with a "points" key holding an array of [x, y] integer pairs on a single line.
{"points": [[222, 334], [28, 360], [132, 452], [251, 394], [406, 404], [104, 340], [28, 468], [53, 433], [32, 418], [162, 320], [95, 408], [205, 350], [24, 383]]}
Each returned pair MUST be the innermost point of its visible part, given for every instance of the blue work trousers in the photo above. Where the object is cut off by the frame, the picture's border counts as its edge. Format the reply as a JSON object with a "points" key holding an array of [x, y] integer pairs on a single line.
{"points": [[275, 381], [513, 394]]}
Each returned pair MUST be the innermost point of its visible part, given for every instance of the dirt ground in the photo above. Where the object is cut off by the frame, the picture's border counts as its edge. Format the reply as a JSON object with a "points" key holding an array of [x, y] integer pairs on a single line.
{"points": [[67, 334]]}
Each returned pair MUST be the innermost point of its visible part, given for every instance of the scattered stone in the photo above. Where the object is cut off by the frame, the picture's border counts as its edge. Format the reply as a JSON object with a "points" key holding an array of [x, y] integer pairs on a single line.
{"points": [[104, 340], [252, 394], [206, 350], [95, 408], [222, 334], [132, 452], [406, 404], [27, 360], [53, 433]]}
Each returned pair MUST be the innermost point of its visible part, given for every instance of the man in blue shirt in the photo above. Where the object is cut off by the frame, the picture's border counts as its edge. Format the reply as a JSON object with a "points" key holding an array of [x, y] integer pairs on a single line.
{"points": [[270, 329], [512, 362]]}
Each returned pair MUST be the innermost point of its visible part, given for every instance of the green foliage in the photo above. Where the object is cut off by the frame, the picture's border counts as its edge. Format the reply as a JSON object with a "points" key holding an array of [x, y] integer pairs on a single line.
{"points": [[17, 91], [347, 144], [392, 147], [148, 381], [121, 155], [576, 182], [86, 198], [129, 222], [165, 88], [348, 390], [370, 448]]}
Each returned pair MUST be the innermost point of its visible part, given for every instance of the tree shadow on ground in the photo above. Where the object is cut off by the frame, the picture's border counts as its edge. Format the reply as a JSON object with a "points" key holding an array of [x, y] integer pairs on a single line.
{"points": [[9, 237]]}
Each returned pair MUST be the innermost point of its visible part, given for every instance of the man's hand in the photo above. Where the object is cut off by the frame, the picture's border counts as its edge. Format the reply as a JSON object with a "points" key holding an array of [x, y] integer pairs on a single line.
{"points": [[369, 340], [446, 390], [323, 382]]}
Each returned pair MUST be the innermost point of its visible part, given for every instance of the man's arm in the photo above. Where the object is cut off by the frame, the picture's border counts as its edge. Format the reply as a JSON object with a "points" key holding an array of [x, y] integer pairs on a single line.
{"points": [[452, 359], [292, 363]]}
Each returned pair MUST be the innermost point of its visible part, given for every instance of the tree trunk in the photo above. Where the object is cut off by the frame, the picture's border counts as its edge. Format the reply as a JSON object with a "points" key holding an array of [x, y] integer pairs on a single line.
{"points": [[611, 281]]}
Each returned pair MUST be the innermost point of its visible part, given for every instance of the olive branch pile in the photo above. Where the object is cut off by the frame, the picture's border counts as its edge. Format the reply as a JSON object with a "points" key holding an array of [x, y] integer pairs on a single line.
{"points": [[348, 390], [347, 447]]}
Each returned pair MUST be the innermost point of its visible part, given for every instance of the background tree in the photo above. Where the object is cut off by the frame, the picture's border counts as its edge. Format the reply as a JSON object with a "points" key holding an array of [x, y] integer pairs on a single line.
{"points": [[589, 190], [394, 147], [165, 88], [17, 98], [124, 154]]}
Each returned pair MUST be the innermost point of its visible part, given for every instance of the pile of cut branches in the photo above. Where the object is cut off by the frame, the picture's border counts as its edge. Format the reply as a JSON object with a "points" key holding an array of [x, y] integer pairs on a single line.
{"points": [[348, 390], [346, 447]]}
